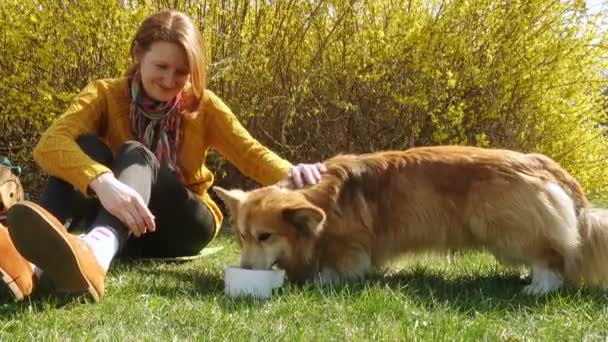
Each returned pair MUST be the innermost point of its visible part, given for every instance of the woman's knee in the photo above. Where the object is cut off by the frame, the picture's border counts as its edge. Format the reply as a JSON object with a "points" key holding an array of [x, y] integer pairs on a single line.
{"points": [[135, 151], [95, 148], [198, 240], [200, 233], [203, 236]]}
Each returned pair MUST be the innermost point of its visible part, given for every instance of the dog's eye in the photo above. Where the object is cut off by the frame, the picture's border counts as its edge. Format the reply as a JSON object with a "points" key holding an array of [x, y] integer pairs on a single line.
{"points": [[263, 236]]}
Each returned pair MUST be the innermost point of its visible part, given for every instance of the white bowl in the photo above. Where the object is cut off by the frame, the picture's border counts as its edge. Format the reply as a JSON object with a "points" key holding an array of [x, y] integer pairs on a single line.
{"points": [[258, 283]]}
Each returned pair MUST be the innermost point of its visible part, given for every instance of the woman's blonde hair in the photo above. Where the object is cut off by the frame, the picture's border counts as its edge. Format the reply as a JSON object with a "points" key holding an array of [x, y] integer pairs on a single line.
{"points": [[173, 27]]}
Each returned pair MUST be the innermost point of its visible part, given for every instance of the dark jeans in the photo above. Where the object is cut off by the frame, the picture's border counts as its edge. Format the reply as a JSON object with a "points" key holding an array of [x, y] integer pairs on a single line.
{"points": [[184, 224]]}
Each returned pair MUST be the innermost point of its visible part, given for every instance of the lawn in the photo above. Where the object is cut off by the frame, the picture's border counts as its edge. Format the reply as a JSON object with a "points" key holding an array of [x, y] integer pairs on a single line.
{"points": [[460, 297]]}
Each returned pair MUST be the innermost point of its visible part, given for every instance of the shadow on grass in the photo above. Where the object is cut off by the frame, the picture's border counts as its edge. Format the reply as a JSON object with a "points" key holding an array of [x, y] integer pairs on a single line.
{"points": [[43, 299], [165, 279], [468, 293], [175, 279], [462, 292]]}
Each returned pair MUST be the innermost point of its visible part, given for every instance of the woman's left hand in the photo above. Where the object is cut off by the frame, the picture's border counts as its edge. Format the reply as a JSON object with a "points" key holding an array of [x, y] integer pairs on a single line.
{"points": [[304, 174]]}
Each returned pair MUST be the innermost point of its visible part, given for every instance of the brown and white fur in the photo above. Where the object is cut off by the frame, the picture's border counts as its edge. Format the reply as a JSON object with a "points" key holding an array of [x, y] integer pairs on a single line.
{"points": [[369, 208]]}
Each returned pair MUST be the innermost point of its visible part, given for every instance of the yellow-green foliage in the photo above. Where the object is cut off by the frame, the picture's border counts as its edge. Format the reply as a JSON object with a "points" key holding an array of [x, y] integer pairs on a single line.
{"points": [[50, 50], [316, 78]]}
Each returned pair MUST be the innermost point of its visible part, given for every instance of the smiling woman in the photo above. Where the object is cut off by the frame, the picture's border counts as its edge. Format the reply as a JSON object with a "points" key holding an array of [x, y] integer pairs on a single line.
{"points": [[164, 70], [129, 156], [168, 51]]}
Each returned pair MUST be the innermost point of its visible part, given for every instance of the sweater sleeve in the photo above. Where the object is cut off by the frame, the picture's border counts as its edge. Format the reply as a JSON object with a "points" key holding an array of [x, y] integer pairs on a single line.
{"points": [[57, 152], [233, 141]]}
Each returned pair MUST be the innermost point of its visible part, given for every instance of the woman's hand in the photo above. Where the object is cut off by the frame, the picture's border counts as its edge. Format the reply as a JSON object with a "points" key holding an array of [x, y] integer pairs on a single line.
{"points": [[124, 203], [304, 174]]}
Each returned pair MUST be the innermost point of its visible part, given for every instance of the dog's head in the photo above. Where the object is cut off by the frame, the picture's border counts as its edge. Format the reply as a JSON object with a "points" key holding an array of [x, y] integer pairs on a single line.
{"points": [[11, 190], [274, 226]]}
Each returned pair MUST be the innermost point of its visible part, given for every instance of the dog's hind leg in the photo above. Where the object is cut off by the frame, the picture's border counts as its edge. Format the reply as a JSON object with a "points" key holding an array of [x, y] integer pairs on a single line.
{"points": [[544, 280], [558, 242], [564, 238]]}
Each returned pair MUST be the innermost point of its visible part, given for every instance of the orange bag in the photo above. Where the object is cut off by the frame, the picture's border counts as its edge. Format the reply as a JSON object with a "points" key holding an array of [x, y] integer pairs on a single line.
{"points": [[11, 190]]}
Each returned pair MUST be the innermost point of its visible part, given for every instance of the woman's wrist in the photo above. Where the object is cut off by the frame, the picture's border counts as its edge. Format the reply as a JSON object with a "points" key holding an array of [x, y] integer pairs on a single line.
{"points": [[100, 181]]}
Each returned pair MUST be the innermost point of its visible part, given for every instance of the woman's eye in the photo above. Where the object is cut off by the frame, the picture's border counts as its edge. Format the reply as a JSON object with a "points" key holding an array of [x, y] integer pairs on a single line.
{"points": [[263, 236], [161, 66]]}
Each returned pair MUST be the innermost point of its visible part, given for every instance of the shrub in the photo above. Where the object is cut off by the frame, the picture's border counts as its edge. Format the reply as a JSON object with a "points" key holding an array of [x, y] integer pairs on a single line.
{"points": [[315, 78]]}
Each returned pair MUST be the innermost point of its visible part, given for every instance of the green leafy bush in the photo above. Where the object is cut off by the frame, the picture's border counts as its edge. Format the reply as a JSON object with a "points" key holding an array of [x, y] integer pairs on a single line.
{"points": [[51, 50], [315, 78]]}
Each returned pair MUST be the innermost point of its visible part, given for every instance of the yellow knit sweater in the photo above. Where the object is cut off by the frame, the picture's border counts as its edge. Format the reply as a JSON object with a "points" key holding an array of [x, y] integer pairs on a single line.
{"points": [[102, 109]]}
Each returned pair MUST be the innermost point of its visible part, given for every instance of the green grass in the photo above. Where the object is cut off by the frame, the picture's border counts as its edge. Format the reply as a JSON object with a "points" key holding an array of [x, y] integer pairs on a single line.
{"points": [[464, 297]]}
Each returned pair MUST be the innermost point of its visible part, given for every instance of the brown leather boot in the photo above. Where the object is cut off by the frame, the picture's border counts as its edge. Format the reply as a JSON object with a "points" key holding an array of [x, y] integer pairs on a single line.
{"points": [[17, 273], [66, 259]]}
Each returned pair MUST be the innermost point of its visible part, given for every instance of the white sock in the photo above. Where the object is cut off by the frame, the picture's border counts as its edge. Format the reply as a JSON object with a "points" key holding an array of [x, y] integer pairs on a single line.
{"points": [[104, 243], [37, 270]]}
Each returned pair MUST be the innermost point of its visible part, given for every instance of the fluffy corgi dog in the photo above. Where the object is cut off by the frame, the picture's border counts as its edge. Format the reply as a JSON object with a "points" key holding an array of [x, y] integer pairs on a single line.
{"points": [[369, 208]]}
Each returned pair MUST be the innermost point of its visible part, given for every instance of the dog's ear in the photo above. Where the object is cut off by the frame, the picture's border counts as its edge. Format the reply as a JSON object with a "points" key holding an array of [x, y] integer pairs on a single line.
{"points": [[307, 219], [231, 198]]}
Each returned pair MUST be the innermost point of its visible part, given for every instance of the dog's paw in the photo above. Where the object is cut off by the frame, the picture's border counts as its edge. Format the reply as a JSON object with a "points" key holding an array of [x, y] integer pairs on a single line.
{"points": [[543, 281], [329, 277], [539, 289]]}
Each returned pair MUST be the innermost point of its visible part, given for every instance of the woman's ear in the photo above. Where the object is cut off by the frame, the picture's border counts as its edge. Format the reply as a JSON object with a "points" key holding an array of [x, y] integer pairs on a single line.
{"points": [[136, 53]]}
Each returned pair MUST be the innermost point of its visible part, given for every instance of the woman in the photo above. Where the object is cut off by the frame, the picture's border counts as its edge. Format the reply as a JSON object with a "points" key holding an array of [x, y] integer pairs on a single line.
{"points": [[130, 154]]}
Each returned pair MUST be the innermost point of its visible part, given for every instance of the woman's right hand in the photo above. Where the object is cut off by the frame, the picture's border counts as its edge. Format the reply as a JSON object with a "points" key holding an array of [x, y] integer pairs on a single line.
{"points": [[124, 203]]}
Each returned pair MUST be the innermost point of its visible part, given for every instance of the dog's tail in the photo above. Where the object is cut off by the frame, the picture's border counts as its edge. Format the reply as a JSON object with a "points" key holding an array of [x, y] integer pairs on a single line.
{"points": [[540, 162], [592, 261]]}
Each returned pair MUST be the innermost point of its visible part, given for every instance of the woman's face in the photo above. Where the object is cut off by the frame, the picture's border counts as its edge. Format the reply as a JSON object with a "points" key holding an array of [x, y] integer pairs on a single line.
{"points": [[164, 70]]}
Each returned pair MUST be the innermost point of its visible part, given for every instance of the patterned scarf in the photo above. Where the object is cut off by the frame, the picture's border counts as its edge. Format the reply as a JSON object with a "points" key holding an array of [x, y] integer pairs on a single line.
{"points": [[156, 124]]}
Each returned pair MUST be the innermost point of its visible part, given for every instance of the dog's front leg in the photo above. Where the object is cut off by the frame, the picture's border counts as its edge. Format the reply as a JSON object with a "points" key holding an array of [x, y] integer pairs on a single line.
{"points": [[544, 281], [350, 268]]}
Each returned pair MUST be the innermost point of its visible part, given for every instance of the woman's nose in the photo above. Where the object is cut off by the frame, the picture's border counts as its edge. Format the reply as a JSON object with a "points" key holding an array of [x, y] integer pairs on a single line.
{"points": [[169, 79]]}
